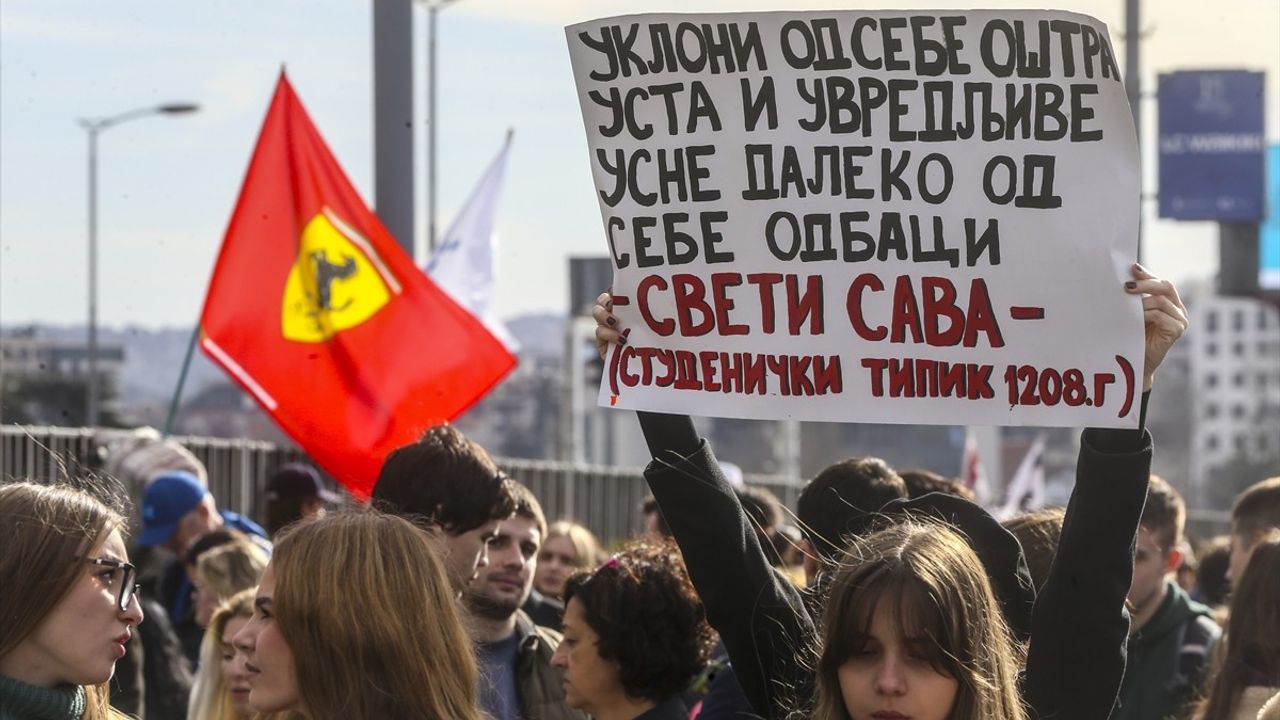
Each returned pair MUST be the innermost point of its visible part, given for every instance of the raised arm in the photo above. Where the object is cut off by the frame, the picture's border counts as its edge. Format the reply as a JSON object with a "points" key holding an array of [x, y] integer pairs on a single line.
{"points": [[1080, 625], [760, 616]]}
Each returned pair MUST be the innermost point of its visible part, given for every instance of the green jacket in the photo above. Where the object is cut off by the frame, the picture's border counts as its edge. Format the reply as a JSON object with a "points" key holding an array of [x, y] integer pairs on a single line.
{"points": [[537, 682], [1167, 659]]}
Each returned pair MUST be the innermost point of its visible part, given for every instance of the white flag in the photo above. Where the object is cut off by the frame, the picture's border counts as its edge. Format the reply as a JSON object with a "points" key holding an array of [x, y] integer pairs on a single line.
{"points": [[1026, 490], [465, 263], [973, 474]]}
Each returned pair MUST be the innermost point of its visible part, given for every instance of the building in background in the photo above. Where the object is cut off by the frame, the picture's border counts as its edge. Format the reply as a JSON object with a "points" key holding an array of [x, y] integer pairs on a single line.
{"points": [[44, 381], [519, 417], [1234, 368]]}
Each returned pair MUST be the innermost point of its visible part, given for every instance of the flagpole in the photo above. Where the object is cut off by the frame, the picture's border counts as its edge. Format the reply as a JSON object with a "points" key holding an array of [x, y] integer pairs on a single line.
{"points": [[433, 7], [431, 127], [182, 380]]}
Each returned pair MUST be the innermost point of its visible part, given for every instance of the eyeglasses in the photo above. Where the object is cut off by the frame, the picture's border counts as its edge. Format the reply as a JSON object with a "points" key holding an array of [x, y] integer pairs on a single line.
{"points": [[127, 587]]}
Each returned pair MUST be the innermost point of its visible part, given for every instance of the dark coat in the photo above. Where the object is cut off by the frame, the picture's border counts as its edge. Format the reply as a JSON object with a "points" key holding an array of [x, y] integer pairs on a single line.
{"points": [[544, 611], [1078, 625], [538, 684], [669, 709]]}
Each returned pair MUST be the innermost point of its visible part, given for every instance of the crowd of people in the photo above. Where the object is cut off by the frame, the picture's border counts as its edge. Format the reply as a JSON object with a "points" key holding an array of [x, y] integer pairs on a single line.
{"points": [[884, 594]]}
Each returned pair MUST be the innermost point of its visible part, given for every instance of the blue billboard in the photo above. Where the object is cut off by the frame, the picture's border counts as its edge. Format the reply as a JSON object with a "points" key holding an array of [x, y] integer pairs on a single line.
{"points": [[1269, 233], [1211, 145]]}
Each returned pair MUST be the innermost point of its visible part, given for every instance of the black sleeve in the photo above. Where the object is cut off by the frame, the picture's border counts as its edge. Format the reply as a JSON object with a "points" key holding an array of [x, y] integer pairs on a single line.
{"points": [[1080, 625], [168, 676], [760, 616]]}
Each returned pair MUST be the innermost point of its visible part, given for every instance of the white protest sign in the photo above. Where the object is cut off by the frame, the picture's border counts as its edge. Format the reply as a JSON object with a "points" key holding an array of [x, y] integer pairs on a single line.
{"points": [[892, 217]]}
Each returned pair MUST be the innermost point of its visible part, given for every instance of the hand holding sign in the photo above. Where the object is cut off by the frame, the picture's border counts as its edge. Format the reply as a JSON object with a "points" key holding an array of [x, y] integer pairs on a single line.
{"points": [[866, 216], [1164, 316], [606, 324]]}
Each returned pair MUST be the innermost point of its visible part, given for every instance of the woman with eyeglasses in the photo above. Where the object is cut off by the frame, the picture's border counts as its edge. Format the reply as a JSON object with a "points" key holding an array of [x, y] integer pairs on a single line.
{"points": [[67, 602], [355, 620], [635, 635]]}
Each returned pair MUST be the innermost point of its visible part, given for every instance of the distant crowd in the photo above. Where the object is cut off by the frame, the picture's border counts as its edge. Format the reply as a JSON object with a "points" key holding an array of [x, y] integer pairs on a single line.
{"points": [[884, 594]]}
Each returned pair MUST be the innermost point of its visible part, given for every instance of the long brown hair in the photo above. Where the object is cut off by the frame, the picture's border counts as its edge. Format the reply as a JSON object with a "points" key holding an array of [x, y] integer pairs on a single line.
{"points": [[364, 603], [47, 527], [933, 585], [1253, 633]]}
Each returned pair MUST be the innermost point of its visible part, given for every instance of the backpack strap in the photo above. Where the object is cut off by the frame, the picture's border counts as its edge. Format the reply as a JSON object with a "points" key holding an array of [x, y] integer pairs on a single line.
{"points": [[1196, 638]]}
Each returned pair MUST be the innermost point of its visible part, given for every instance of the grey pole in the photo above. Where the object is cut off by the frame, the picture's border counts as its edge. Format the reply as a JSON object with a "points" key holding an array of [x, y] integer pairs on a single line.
{"points": [[91, 411], [433, 7], [431, 128], [393, 117], [93, 126], [1133, 85]]}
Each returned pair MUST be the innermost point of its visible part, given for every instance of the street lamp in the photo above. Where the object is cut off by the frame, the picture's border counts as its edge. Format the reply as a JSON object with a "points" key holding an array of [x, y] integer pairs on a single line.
{"points": [[433, 6], [93, 126]]}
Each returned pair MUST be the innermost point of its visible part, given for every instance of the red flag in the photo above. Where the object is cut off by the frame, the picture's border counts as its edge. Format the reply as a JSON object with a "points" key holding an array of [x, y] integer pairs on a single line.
{"points": [[316, 311]]}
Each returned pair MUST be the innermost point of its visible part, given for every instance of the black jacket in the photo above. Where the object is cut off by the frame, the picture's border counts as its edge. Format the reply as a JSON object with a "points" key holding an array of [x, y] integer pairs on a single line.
{"points": [[669, 709], [544, 611], [539, 684], [1078, 623]]}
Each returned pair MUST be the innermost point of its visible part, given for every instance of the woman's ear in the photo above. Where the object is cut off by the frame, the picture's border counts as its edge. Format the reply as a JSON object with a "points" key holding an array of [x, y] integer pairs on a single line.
{"points": [[812, 564]]}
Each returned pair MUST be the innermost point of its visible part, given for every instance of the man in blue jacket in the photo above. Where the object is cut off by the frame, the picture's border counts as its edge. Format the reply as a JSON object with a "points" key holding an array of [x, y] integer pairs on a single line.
{"points": [[176, 509]]}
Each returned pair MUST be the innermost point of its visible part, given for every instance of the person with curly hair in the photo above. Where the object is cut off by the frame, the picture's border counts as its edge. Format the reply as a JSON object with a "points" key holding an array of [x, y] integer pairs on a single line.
{"points": [[635, 635]]}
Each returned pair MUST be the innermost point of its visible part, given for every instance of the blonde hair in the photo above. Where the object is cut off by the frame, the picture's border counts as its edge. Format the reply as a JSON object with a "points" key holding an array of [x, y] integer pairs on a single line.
{"points": [[585, 545], [233, 567], [49, 527], [933, 585], [363, 601], [209, 697]]}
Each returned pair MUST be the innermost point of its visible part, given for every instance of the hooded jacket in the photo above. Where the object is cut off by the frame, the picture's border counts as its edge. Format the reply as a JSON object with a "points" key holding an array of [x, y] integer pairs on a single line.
{"points": [[1167, 660]]}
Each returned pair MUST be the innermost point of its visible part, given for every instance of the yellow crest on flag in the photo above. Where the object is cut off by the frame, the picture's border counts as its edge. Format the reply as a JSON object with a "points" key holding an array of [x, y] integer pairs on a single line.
{"points": [[337, 282]]}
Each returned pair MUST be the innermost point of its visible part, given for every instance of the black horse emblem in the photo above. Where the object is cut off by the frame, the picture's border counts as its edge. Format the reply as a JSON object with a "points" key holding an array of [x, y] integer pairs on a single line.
{"points": [[326, 274]]}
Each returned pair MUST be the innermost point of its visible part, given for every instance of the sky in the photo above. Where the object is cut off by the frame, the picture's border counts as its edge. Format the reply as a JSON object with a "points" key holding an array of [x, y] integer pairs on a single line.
{"points": [[168, 184]]}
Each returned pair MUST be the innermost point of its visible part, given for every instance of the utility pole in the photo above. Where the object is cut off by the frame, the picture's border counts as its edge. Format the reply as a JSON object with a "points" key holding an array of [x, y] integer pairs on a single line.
{"points": [[393, 118], [94, 127], [433, 8], [1133, 86]]}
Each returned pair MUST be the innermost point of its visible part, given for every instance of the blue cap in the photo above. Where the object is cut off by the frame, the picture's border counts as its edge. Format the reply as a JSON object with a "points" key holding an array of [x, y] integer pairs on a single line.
{"points": [[167, 500]]}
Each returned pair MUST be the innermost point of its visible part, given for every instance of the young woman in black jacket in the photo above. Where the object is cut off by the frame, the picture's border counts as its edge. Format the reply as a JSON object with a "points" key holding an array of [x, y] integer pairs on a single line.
{"points": [[1076, 627]]}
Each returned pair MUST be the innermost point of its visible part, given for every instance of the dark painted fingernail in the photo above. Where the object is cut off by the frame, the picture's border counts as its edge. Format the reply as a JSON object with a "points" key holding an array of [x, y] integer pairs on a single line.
{"points": [[1131, 285], [622, 340], [611, 320]]}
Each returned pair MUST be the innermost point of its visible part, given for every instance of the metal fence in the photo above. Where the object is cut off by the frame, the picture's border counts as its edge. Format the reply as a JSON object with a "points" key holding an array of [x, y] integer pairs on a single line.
{"points": [[605, 499]]}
